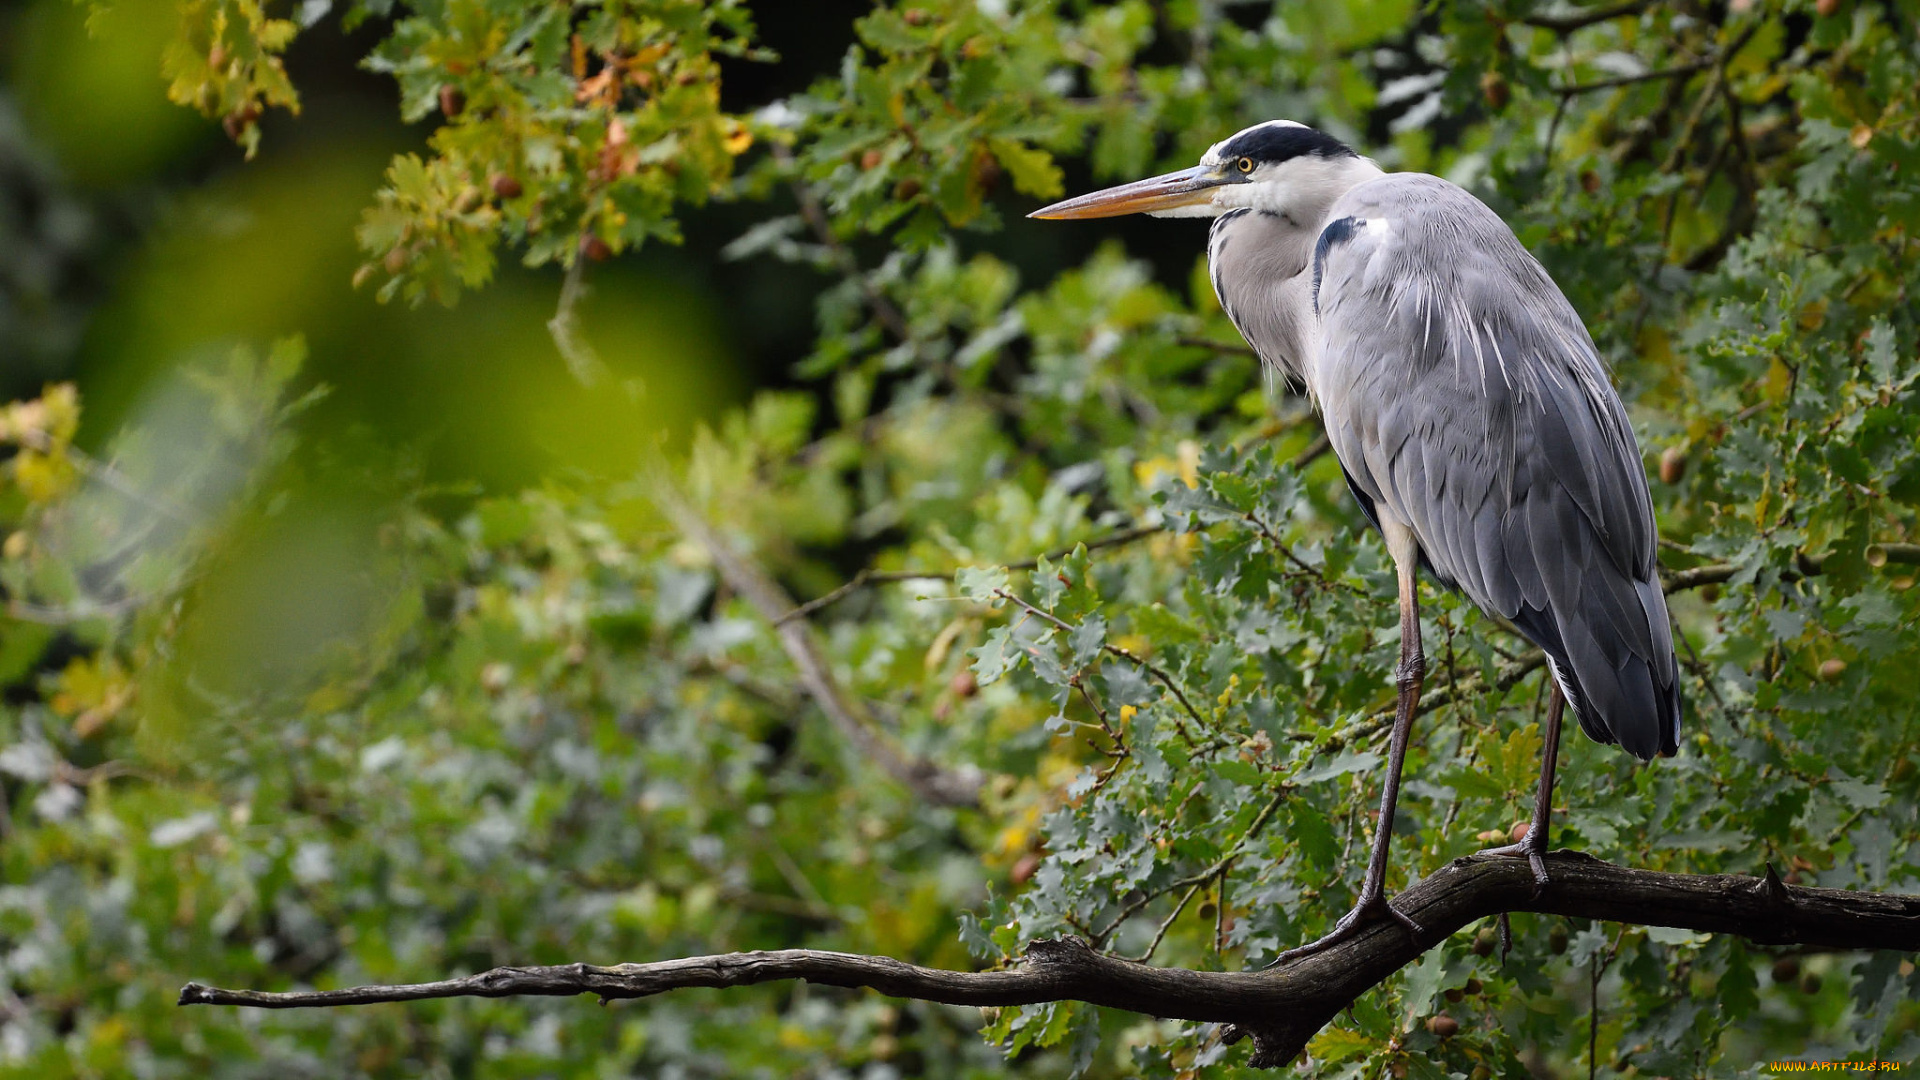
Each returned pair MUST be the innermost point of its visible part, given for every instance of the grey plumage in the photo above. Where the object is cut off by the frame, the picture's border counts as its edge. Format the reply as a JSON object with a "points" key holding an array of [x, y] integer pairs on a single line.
{"points": [[1463, 396], [1472, 415]]}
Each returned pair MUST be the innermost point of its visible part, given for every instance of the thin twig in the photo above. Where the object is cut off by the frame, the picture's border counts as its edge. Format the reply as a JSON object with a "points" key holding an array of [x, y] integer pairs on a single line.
{"points": [[1237, 348], [1719, 64], [1311, 452], [67, 615], [937, 784], [1579, 20], [1160, 932], [583, 360], [1674, 72], [871, 576], [1219, 867], [815, 215], [1159, 674]]}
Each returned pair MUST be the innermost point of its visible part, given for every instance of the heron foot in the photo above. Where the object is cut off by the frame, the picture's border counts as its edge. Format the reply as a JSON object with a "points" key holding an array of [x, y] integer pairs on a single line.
{"points": [[1371, 909], [1534, 852]]}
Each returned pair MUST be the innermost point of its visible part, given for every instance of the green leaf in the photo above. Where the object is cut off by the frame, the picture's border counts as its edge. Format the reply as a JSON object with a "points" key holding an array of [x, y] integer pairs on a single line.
{"points": [[1031, 168], [981, 584], [1313, 835]]}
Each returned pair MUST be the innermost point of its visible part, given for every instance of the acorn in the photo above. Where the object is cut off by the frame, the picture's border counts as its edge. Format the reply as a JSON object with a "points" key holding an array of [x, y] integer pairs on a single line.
{"points": [[1809, 983], [1484, 941], [1454, 995], [1493, 87], [1480, 1072], [1673, 465], [1557, 940], [1472, 988], [596, 249], [915, 16], [395, 261], [871, 160], [987, 171], [1590, 181], [1445, 1027], [217, 56], [1786, 969], [964, 684], [1826, 8], [906, 189], [1519, 831], [452, 101], [1832, 668], [505, 186]]}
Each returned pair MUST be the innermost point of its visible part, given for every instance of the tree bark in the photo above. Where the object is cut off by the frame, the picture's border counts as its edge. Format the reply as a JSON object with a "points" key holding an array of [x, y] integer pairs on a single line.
{"points": [[1280, 1008]]}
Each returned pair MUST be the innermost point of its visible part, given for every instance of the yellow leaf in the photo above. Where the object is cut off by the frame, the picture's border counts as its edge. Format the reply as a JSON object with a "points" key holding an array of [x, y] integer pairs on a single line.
{"points": [[42, 477]]}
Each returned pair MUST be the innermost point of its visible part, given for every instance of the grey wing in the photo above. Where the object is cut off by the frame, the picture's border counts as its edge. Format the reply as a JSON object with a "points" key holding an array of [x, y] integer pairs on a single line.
{"points": [[1464, 397]]}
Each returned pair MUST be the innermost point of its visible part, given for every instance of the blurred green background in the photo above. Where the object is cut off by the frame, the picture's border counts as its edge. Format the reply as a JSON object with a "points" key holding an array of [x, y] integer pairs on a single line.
{"points": [[347, 641]]}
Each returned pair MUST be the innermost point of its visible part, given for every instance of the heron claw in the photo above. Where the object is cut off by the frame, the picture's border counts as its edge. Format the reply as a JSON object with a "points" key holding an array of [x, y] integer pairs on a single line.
{"points": [[1534, 856], [1370, 910]]}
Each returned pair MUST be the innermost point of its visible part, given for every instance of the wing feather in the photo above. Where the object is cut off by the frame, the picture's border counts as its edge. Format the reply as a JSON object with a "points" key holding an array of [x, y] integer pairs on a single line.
{"points": [[1465, 399]]}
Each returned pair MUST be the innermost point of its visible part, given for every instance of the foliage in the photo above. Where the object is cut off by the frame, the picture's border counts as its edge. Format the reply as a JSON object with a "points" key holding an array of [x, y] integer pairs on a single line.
{"points": [[300, 718]]}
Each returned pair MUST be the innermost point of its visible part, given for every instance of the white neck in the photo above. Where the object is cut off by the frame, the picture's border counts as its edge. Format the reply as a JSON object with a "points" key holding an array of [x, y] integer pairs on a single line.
{"points": [[1260, 253]]}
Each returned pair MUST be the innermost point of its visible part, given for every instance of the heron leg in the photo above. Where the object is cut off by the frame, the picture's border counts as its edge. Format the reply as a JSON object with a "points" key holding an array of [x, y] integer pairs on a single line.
{"points": [[1372, 905], [1534, 844]]}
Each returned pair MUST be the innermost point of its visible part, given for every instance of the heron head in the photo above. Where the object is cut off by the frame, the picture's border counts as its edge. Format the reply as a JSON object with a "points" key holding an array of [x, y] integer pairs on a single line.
{"points": [[1264, 167]]}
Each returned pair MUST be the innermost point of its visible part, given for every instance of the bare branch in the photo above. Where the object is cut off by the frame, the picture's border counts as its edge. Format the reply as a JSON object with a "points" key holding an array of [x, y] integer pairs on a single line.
{"points": [[936, 784], [1280, 1008], [885, 311], [1218, 868], [1236, 348], [1579, 20], [881, 577], [583, 360], [1158, 673], [1674, 72], [1307, 456]]}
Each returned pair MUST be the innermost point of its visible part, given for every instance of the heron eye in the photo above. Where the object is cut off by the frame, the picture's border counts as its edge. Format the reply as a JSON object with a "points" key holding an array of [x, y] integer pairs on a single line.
{"points": [[1245, 164]]}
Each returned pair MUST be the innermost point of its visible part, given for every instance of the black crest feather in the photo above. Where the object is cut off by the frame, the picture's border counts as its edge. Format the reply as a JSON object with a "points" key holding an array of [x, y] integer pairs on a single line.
{"points": [[1281, 142]]}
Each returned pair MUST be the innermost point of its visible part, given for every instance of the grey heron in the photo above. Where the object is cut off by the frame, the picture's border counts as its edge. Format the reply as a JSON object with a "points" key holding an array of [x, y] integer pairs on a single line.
{"points": [[1471, 413]]}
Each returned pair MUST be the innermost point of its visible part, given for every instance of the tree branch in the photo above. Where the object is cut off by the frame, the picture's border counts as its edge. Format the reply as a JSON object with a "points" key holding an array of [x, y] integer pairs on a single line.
{"points": [[936, 784], [583, 360], [871, 576], [1280, 1008], [885, 311], [1580, 20]]}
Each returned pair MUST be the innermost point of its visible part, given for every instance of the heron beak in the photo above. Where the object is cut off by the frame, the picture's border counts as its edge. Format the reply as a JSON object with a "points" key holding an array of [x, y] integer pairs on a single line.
{"points": [[1188, 187]]}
